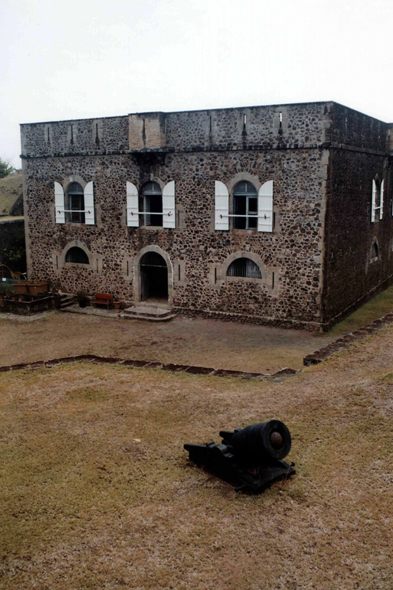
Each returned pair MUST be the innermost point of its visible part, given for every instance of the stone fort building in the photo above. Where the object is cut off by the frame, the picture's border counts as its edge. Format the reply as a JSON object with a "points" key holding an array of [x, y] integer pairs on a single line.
{"points": [[276, 215]]}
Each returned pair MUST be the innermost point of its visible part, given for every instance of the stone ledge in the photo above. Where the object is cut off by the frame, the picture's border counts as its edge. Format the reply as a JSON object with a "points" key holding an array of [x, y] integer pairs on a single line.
{"points": [[172, 367]]}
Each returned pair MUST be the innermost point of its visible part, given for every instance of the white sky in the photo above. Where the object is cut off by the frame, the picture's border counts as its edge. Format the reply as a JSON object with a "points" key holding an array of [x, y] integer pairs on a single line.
{"points": [[68, 59]]}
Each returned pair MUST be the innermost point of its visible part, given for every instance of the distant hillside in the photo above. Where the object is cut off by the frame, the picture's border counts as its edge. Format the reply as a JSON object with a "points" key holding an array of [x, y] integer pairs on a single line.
{"points": [[11, 189]]}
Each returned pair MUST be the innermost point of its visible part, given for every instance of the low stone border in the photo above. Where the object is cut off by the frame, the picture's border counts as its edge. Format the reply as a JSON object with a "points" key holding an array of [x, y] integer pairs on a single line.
{"points": [[193, 369], [345, 341]]}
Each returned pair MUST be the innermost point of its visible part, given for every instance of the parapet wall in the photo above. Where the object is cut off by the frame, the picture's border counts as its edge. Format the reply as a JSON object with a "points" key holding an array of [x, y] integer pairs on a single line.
{"points": [[357, 130], [267, 127]]}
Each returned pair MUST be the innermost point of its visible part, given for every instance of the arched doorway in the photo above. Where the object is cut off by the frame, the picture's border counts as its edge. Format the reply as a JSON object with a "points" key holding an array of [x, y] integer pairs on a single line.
{"points": [[154, 277]]}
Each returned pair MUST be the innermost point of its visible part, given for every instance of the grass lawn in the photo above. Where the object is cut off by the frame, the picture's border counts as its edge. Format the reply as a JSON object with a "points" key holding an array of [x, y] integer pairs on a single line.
{"points": [[374, 309], [97, 492]]}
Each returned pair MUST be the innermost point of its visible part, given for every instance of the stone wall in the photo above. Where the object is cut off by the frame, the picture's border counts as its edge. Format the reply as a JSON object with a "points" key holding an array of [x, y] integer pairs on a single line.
{"points": [[352, 273], [315, 264], [282, 126], [85, 136], [357, 130], [196, 250]]}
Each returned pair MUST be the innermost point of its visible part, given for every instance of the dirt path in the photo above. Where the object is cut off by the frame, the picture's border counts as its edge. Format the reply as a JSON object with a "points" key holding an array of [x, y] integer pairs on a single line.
{"points": [[208, 343]]}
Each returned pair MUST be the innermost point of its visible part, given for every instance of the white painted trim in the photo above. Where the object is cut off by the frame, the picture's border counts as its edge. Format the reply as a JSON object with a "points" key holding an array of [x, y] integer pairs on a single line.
{"points": [[221, 207], [59, 203]]}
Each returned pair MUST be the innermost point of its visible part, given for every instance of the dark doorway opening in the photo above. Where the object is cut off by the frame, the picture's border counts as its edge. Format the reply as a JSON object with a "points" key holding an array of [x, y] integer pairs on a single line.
{"points": [[154, 278]]}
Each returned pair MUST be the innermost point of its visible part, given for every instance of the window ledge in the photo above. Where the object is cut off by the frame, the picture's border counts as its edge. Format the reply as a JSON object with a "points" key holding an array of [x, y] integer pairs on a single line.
{"points": [[242, 280], [75, 224], [249, 232], [77, 265]]}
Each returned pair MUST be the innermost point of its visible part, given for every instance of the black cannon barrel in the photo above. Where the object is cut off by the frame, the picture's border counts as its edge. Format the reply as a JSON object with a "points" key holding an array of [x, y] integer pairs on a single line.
{"points": [[265, 440]]}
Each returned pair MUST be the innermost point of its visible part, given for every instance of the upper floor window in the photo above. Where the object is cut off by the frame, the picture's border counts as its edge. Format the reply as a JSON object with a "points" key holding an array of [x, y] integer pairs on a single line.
{"points": [[75, 203], [150, 204], [252, 209], [244, 267], [245, 205], [377, 199]]}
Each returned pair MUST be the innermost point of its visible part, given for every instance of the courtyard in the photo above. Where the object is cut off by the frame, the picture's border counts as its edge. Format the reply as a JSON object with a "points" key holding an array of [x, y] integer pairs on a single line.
{"points": [[208, 343], [97, 491]]}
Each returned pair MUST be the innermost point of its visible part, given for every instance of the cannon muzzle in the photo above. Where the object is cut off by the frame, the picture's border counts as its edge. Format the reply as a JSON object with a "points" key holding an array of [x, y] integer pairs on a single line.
{"points": [[259, 442], [252, 456]]}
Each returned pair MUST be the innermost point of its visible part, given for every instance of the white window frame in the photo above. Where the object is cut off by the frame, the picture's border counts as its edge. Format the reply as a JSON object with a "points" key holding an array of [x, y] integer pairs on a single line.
{"points": [[377, 211], [168, 207], [265, 208], [60, 205]]}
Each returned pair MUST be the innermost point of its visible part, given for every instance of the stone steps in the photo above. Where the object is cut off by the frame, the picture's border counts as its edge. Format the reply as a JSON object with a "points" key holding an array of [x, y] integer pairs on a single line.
{"points": [[150, 313], [66, 300]]}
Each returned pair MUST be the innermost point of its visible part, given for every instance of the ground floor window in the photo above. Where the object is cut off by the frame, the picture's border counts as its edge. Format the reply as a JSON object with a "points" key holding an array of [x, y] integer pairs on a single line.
{"points": [[244, 267], [77, 255]]}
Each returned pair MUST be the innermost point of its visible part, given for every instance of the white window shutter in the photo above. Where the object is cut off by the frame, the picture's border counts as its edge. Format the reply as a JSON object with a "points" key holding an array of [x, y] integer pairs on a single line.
{"points": [[373, 202], [89, 204], [168, 205], [265, 207], [381, 201], [221, 206], [132, 205], [59, 203]]}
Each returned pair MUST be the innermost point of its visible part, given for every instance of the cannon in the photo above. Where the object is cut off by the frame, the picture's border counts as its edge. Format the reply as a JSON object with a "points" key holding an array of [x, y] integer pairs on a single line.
{"points": [[251, 458]]}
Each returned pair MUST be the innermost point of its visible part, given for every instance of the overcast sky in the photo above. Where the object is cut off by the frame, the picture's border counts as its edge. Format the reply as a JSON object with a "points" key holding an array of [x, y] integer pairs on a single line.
{"points": [[89, 58]]}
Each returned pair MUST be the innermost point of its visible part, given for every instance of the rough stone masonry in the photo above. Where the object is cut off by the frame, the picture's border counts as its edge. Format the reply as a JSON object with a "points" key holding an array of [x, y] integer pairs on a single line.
{"points": [[276, 215]]}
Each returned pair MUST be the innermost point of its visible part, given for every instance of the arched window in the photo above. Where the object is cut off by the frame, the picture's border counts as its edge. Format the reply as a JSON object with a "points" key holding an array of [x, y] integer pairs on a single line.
{"points": [[77, 255], [377, 199], [151, 204], [245, 204], [75, 203], [244, 267], [374, 250]]}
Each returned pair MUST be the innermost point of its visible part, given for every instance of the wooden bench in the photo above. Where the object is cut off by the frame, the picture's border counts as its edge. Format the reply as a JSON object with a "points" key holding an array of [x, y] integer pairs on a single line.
{"points": [[103, 299]]}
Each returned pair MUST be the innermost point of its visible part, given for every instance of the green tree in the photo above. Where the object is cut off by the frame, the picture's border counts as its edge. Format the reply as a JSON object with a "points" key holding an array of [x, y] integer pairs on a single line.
{"points": [[5, 168]]}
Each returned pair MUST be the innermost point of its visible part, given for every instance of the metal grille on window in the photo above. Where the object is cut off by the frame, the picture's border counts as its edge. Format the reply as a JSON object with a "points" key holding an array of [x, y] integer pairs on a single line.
{"points": [[76, 203], [244, 267], [151, 202], [245, 204], [77, 255]]}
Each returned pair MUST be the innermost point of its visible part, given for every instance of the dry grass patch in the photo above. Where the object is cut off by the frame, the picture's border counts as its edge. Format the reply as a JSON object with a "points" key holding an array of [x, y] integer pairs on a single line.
{"points": [[98, 493], [374, 309]]}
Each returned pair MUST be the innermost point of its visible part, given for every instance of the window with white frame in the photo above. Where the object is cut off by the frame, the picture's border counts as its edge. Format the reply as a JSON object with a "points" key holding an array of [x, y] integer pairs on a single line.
{"points": [[252, 209], [377, 197], [244, 267], [150, 204], [75, 204], [245, 206]]}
